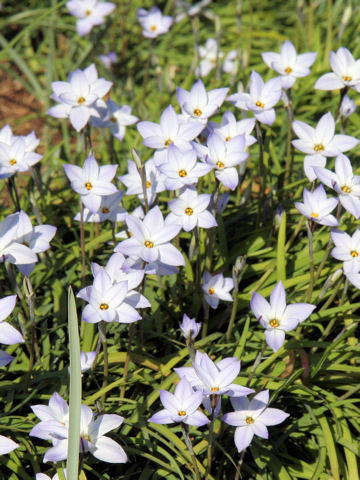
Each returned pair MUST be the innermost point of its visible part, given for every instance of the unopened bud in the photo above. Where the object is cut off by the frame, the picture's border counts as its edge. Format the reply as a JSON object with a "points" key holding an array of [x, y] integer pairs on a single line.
{"points": [[136, 158], [330, 282], [278, 216]]}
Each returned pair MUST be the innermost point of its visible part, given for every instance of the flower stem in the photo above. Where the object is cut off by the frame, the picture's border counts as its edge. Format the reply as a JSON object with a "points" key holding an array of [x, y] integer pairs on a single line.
{"points": [[185, 431], [82, 245], [240, 462], [289, 147], [13, 193], [30, 295], [102, 338], [255, 365], [262, 171], [127, 359], [309, 291]]}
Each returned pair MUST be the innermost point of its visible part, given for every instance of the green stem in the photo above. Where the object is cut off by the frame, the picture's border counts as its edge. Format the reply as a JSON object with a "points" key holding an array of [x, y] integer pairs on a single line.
{"points": [[127, 359], [102, 338], [82, 245], [289, 147], [185, 431], [255, 365], [309, 291], [240, 462], [262, 172]]}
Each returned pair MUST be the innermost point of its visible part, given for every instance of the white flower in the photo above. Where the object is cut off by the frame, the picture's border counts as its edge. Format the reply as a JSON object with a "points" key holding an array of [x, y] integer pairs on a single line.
{"points": [[261, 98], [153, 22], [155, 181], [209, 55], [217, 288], [320, 142], [347, 249], [252, 418], [344, 182], [288, 64], [199, 104], [91, 181], [346, 72], [230, 128], [78, 96], [317, 207], [116, 118], [190, 210], [89, 13], [229, 63], [347, 107]]}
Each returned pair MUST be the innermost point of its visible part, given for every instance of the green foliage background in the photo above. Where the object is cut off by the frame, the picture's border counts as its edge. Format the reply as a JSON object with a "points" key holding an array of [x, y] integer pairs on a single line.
{"points": [[314, 377]]}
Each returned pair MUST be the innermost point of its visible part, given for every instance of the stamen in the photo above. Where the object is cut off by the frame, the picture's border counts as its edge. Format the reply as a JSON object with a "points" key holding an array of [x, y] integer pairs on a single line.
{"points": [[220, 164], [81, 100], [88, 12], [88, 186], [148, 244], [215, 389], [354, 253], [346, 189], [274, 323], [288, 70], [105, 210], [314, 215], [12, 161], [197, 112], [153, 28], [346, 78], [148, 184], [182, 413], [189, 211], [259, 104], [113, 119], [249, 420], [211, 291], [228, 138], [104, 306], [182, 173], [168, 142], [319, 147]]}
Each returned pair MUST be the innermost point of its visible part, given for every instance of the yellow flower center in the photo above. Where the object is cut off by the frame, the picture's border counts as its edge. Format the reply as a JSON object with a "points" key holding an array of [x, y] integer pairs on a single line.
{"points": [[319, 147], [105, 210], [259, 104], [113, 119], [354, 253], [347, 78], [168, 142], [249, 420], [148, 184], [81, 100], [12, 161], [197, 112], [88, 186], [346, 189], [274, 323], [182, 413], [220, 164], [288, 70], [314, 215], [211, 291], [88, 12], [189, 211], [104, 306], [148, 244], [215, 389], [153, 28], [228, 138], [182, 173]]}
